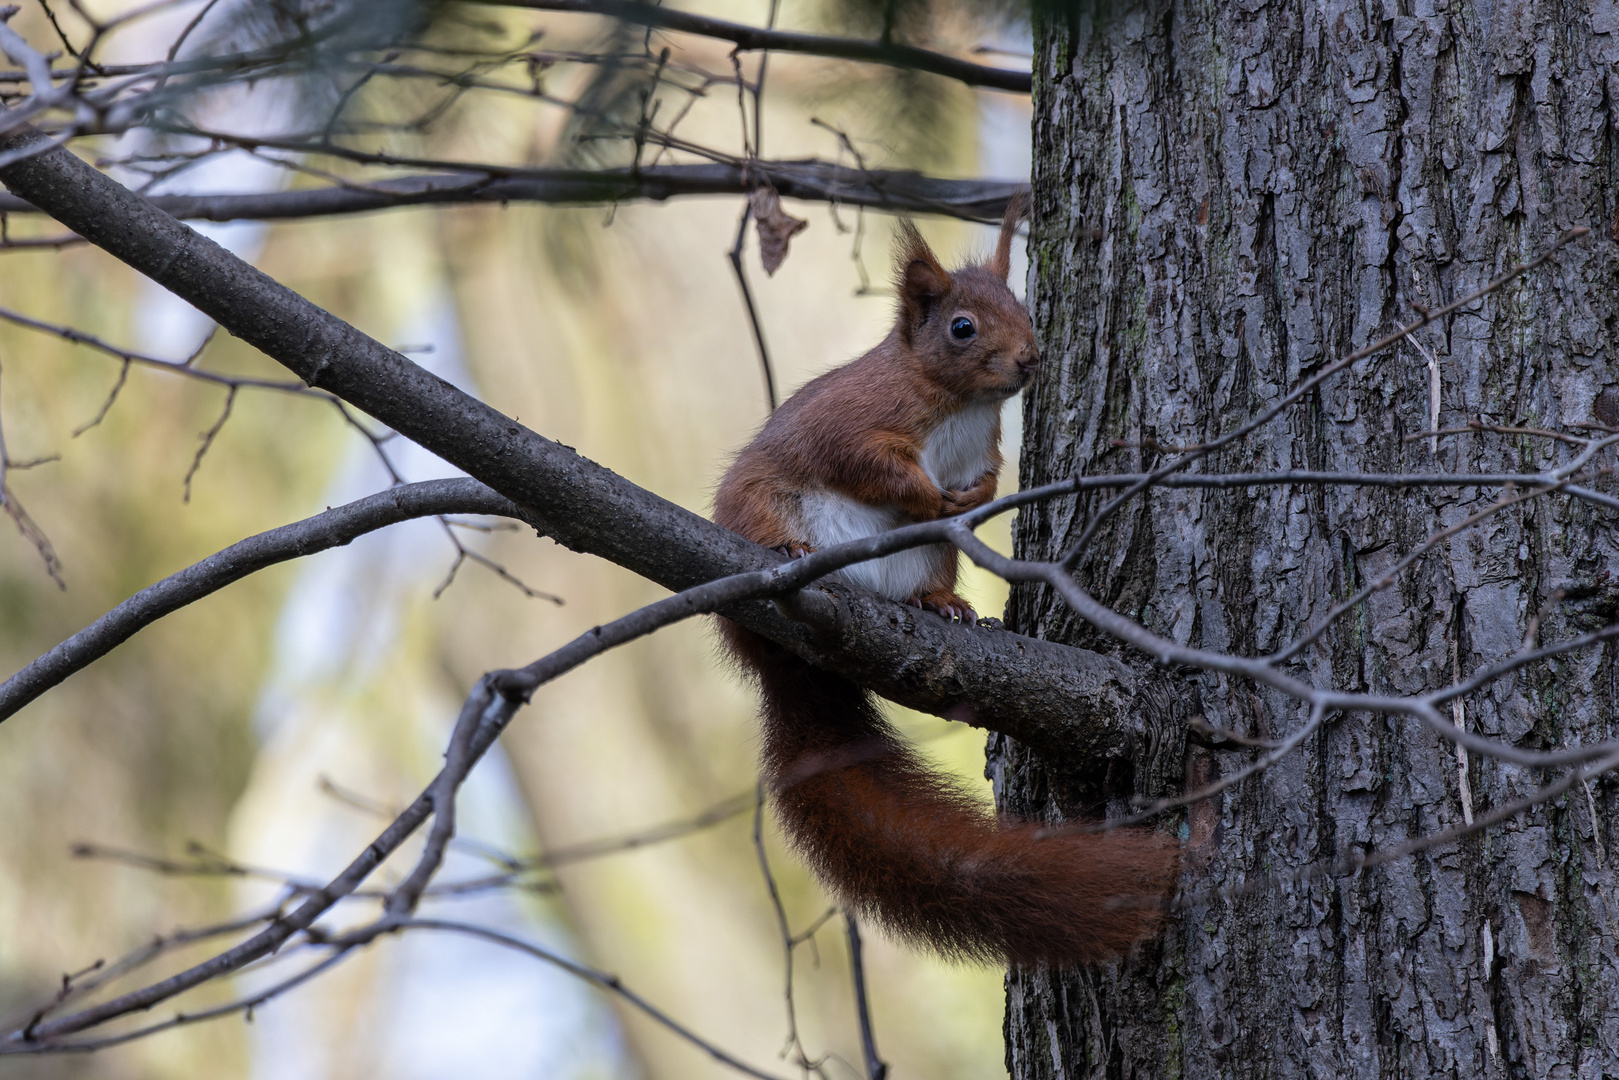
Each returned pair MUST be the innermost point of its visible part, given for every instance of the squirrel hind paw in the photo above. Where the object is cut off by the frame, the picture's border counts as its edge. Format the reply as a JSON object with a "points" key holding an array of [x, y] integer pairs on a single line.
{"points": [[949, 605]]}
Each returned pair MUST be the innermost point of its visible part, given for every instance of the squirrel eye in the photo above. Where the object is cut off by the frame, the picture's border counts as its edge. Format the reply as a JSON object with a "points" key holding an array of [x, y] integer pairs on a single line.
{"points": [[962, 328]]}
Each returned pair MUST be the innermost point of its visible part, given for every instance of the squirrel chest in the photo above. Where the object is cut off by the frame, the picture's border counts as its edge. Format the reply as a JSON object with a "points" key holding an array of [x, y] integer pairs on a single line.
{"points": [[960, 449], [954, 454]]}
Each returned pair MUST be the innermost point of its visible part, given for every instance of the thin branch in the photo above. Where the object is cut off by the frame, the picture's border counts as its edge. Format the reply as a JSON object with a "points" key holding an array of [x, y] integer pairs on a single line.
{"points": [[185, 367], [610, 983], [1475, 427], [31, 532], [458, 762], [1287, 746], [464, 554], [211, 865], [333, 528], [13, 507], [899, 192], [1388, 578], [112, 398], [207, 441], [721, 811], [1193, 454], [1355, 862], [61, 34], [876, 1067], [183, 1019], [1504, 812], [1489, 674], [741, 276], [794, 1045], [41, 243], [595, 849], [99, 974], [752, 38], [1200, 725]]}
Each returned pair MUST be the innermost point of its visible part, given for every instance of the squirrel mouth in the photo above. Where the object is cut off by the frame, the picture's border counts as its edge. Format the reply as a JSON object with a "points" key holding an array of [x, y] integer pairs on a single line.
{"points": [[1022, 379]]}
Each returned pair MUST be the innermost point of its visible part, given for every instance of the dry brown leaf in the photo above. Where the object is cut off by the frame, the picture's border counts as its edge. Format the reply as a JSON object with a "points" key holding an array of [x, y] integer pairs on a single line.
{"points": [[776, 227]]}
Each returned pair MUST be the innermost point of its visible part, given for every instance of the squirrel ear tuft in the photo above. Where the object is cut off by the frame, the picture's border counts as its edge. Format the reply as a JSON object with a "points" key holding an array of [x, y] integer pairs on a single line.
{"points": [[1000, 264], [918, 277]]}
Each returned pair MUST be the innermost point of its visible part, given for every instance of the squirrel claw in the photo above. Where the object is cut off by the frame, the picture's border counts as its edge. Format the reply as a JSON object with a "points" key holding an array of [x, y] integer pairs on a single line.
{"points": [[949, 605], [793, 551]]}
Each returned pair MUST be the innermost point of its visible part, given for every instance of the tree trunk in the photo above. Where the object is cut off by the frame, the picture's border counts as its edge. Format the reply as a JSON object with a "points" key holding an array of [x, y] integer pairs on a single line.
{"points": [[1228, 196]]}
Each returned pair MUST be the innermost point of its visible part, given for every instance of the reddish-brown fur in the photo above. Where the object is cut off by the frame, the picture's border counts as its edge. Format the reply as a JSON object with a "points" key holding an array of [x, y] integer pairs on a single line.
{"points": [[895, 842], [904, 848]]}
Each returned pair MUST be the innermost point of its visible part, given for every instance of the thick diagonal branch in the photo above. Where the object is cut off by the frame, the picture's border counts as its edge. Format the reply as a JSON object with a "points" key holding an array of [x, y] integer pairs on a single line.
{"points": [[1038, 692]]}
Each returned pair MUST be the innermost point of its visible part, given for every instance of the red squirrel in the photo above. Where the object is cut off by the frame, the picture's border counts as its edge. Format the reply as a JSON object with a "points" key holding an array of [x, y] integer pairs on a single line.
{"points": [[911, 432]]}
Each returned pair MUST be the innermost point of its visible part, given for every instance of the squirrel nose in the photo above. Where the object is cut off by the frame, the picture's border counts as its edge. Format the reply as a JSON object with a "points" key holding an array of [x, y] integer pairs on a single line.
{"points": [[1029, 360]]}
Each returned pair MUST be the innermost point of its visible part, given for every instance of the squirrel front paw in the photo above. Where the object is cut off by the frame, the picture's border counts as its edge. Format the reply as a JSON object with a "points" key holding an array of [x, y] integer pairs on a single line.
{"points": [[949, 605], [953, 502], [793, 551]]}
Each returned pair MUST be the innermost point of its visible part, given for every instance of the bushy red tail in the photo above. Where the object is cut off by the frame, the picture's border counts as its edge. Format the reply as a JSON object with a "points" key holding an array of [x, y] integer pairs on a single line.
{"points": [[904, 848]]}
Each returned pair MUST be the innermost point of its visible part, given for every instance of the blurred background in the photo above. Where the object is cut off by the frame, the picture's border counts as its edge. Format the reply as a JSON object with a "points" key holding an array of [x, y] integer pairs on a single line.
{"points": [[274, 723]]}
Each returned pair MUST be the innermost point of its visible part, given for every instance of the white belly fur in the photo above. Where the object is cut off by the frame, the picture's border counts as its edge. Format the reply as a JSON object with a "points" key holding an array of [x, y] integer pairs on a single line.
{"points": [[955, 455], [830, 518]]}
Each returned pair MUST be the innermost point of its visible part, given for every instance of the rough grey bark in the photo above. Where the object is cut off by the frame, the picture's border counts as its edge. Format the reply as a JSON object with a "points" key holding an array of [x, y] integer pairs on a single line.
{"points": [[1226, 197]]}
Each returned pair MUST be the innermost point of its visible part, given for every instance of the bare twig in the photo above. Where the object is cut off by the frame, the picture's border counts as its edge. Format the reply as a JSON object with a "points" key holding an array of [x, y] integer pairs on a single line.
{"points": [[32, 533], [1355, 861], [610, 983], [721, 811], [207, 440], [594, 849], [464, 553], [185, 367], [332, 528], [741, 275], [112, 398], [1508, 499], [458, 761], [13, 507], [793, 1048], [1193, 454], [893, 191], [876, 1067], [750, 38], [211, 864], [182, 1019], [1286, 746]]}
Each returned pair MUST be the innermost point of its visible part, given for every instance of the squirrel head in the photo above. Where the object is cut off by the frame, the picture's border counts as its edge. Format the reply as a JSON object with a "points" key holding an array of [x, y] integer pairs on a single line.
{"points": [[966, 330]]}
